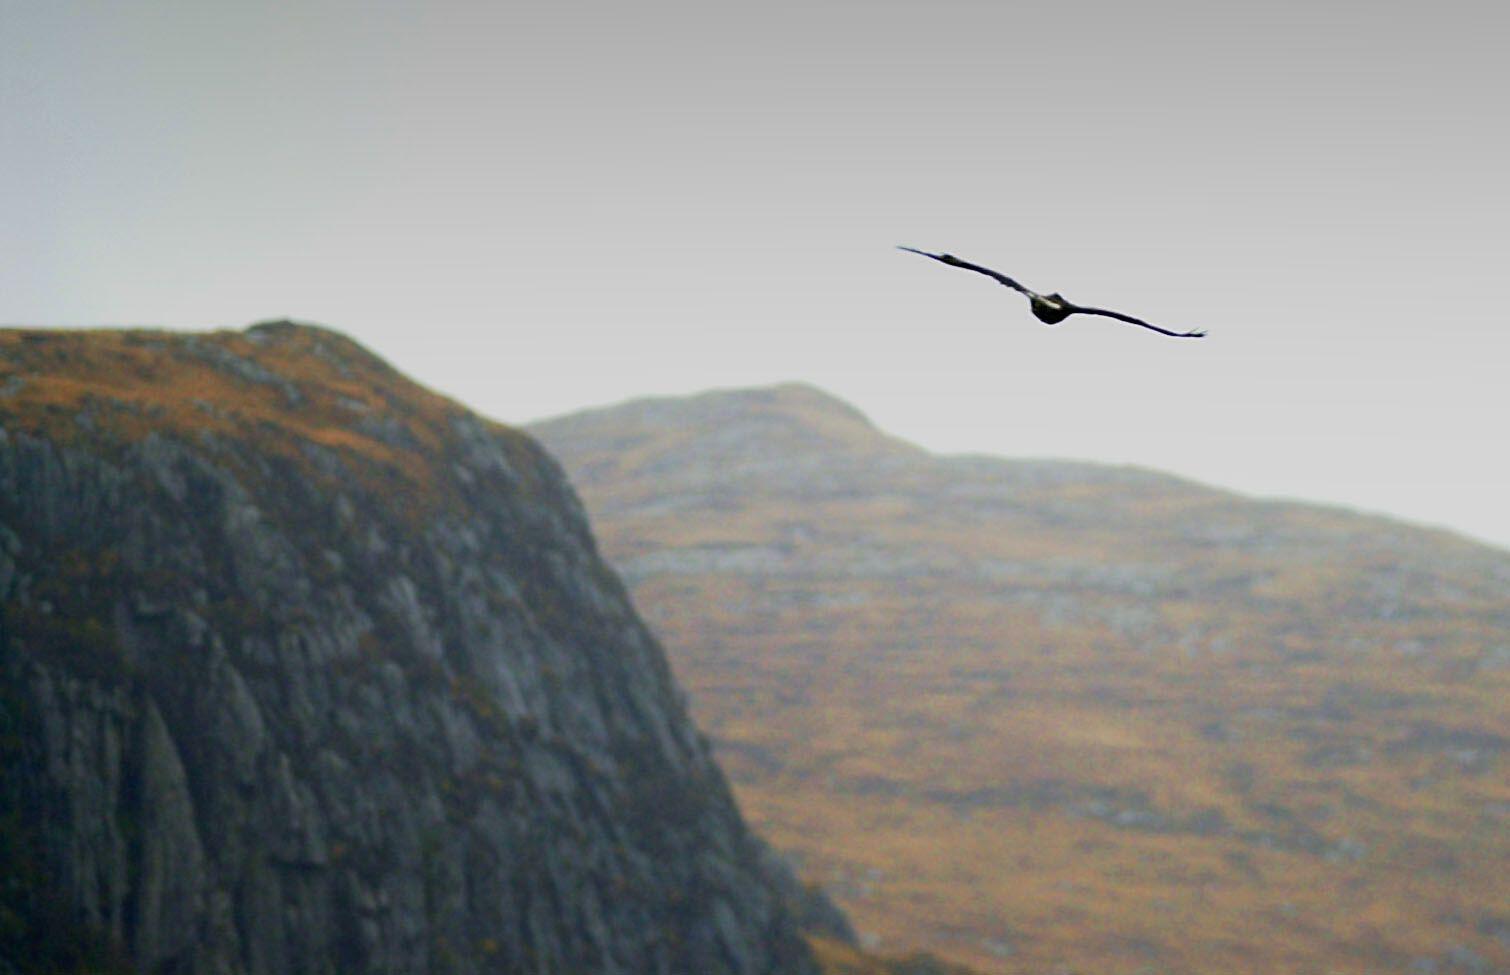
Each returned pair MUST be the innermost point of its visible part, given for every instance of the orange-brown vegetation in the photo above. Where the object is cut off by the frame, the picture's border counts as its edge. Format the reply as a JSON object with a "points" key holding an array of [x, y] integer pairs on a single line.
{"points": [[1037, 717], [286, 388]]}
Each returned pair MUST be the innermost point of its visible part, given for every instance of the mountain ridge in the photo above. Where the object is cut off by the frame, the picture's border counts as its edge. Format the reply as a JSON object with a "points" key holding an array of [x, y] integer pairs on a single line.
{"points": [[1189, 729], [809, 397]]}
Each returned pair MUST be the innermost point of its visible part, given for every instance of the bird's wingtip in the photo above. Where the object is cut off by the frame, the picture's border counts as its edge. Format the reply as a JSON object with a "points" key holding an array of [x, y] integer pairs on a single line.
{"points": [[946, 258]]}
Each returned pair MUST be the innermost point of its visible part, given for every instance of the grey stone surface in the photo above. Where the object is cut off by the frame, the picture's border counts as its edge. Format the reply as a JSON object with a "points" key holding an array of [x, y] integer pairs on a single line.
{"points": [[271, 718]]}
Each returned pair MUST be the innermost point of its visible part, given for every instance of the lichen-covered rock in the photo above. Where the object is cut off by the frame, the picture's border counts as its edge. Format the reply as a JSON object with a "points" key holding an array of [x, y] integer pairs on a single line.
{"points": [[306, 669]]}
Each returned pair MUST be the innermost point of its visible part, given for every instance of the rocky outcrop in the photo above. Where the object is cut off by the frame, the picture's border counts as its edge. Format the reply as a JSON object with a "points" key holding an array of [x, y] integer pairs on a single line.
{"points": [[304, 669]]}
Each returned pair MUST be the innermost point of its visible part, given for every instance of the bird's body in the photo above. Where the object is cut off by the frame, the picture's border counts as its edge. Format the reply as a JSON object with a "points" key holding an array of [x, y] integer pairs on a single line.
{"points": [[1053, 308]]}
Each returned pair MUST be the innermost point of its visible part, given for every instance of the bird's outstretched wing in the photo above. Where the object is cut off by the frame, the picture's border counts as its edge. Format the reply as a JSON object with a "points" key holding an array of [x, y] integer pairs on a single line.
{"points": [[1073, 309], [1082, 310], [953, 261]]}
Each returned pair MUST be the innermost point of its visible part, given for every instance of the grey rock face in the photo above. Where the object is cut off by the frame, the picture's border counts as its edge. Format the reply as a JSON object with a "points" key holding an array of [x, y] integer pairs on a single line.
{"points": [[268, 705]]}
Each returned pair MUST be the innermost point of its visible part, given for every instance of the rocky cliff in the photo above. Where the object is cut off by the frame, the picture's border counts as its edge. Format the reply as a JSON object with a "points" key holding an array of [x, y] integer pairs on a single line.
{"points": [[304, 668]]}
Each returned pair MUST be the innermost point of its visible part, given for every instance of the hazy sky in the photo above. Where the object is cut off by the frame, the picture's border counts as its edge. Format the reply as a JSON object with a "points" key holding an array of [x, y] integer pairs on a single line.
{"points": [[539, 207]]}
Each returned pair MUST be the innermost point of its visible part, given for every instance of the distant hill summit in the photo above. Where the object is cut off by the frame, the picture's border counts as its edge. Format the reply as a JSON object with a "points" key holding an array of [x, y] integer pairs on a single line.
{"points": [[746, 427], [1040, 715], [795, 407], [305, 668]]}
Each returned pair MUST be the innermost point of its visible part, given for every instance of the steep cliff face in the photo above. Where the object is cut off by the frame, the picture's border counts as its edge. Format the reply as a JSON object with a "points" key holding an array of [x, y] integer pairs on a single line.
{"points": [[304, 668]]}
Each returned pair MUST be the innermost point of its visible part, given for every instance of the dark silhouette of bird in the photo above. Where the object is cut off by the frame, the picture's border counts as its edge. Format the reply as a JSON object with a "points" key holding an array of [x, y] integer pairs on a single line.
{"points": [[1054, 308]]}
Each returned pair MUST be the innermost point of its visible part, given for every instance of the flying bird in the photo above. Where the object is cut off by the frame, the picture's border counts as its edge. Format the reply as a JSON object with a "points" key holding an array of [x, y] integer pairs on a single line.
{"points": [[1055, 308]]}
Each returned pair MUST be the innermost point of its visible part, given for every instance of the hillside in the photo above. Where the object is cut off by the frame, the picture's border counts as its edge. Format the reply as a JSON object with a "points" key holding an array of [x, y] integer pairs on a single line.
{"points": [[304, 668], [1041, 715]]}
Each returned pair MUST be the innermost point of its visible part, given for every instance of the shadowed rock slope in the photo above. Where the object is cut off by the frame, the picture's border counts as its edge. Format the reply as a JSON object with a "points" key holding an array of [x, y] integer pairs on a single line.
{"points": [[306, 669], [1041, 715]]}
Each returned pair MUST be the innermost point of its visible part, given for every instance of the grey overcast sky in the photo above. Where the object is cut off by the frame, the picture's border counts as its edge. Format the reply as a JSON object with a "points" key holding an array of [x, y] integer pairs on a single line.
{"points": [[536, 207]]}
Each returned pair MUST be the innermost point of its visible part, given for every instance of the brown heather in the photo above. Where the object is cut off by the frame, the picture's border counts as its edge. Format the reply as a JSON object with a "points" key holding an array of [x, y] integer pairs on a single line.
{"points": [[289, 390], [1039, 716]]}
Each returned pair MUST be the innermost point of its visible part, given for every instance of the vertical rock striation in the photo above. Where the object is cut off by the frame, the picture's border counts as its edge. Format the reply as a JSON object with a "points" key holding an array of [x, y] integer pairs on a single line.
{"points": [[306, 669]]}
